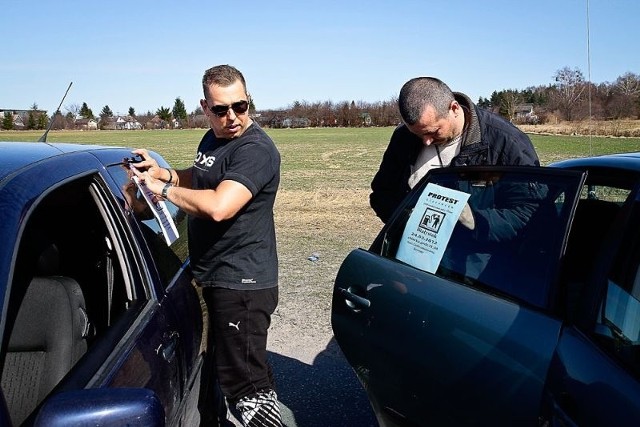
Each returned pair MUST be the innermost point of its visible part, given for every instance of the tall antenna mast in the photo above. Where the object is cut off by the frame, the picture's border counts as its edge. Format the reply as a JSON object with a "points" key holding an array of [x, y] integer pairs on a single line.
{"points": [[589, 81], [43, 138]]}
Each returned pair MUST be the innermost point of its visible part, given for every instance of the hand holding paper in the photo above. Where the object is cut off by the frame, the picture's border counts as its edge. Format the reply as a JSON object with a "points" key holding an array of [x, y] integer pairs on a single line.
{"points": [[466, 217], [159, 209]]}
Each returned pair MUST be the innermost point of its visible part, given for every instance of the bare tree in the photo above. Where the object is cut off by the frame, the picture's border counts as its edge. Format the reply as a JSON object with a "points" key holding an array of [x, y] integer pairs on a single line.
{"points": [[74, 109], [328, 114], [59, 121], [628, 84], [569, 89], [315, 114], [509, 103], [70, 120], [627, 87]]}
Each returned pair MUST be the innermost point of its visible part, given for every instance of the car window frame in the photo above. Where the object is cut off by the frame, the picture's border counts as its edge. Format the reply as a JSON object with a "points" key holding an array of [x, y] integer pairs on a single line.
{"points": [[177, 252], [548, 299], [108, 352], [619, 260]]}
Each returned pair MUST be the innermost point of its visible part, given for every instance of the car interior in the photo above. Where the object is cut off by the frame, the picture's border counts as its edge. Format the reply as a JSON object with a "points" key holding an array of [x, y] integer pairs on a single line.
{"points": [[598, 211], [68, 289]]}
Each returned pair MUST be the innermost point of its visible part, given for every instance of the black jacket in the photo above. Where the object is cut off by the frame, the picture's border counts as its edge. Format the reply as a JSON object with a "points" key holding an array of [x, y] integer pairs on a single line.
{"points": [[488, 139]]}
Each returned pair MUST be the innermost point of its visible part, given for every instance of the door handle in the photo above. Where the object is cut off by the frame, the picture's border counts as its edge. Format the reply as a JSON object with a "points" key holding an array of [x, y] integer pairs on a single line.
{"points": [[168, 348], [355, 301]]}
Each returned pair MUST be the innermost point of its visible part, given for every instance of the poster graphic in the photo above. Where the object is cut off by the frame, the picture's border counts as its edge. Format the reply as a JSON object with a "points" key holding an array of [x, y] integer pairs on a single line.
{"points": [[430, 226]]}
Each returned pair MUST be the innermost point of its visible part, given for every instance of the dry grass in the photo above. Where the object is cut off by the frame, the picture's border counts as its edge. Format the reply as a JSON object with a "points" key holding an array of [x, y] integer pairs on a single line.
{"points": [[325, 224], [610, 128]]}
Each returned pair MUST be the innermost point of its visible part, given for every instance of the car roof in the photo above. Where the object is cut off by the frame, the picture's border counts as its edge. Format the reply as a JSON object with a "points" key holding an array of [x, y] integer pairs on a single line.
{"points": [[621, 161], [17, 155]]}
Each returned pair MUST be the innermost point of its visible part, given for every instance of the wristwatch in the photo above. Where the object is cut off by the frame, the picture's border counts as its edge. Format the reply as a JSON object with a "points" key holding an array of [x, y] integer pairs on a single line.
{"points": [[166, 188]]}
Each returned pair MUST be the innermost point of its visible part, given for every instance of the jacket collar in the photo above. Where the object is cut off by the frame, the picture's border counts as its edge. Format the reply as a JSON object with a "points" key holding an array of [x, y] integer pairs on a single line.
{"points": [[471, 133]]}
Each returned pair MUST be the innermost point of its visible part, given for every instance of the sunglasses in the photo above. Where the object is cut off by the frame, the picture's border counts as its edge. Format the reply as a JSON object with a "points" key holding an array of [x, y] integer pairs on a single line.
{"points": [[239, 107]]}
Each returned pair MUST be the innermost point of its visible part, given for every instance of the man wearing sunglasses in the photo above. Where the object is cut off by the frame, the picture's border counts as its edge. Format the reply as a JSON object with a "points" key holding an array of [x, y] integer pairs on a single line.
{"points": [[229, 194]]}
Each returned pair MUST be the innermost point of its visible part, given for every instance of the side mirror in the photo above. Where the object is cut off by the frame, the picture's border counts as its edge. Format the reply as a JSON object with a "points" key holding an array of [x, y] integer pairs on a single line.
{"points": [[102, 407]]}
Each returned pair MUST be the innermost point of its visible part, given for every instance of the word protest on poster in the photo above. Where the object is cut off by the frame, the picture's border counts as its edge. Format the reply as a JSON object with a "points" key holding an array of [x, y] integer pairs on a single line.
{"points": [[430, 226]]}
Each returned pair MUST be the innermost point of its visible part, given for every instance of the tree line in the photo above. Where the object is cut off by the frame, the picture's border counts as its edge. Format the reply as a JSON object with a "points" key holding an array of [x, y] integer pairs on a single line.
{"points": [[572, 98], [569, 97]]}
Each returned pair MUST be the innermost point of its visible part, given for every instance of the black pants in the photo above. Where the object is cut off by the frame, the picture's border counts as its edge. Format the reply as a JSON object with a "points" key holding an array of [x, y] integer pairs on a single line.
{"points": [[237, 346]]}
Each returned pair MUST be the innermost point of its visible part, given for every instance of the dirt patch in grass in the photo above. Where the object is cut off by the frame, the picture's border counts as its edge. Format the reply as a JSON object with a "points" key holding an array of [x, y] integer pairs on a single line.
{"points": [[315, 232]]}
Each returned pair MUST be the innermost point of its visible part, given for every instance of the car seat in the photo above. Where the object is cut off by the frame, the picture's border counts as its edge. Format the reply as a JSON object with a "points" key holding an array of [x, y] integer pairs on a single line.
{"points": [[47, 339]]}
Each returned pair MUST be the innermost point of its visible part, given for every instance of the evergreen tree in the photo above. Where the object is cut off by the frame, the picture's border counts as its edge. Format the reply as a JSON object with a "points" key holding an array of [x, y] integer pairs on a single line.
{"points": [[484, 103], [34, 116], [164, 114], [179, 111], [31, 121], [7, 121], [85, 112], [43, 121], [106, 112], [132, 112]]}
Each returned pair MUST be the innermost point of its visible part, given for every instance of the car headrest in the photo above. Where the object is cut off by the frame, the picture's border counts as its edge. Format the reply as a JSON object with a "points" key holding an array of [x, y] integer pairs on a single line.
{"points": [[48, 262]]}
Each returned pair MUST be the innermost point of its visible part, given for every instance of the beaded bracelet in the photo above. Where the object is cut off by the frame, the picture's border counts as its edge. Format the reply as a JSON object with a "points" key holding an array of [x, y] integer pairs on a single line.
{"points": [[170, 175]]}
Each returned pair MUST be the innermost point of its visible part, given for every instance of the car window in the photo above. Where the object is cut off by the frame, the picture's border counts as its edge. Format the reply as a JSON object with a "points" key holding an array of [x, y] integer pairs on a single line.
{"points": [[606, 192], [618, 307], [520, 217], [77, 283], [169, 259]]}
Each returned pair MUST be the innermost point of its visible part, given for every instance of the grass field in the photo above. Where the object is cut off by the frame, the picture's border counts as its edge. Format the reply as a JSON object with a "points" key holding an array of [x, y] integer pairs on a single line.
{"points": [[322, 206]]}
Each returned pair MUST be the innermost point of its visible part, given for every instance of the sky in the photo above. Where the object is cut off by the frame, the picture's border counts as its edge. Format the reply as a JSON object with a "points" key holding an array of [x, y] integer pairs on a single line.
{"points": [[144, 54]]}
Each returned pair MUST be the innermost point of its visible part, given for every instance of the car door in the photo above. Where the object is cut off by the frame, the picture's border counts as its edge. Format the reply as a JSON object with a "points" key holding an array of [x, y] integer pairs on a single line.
{"points": [[130, 336], [467, 340], [168, 265], [594, 379]]}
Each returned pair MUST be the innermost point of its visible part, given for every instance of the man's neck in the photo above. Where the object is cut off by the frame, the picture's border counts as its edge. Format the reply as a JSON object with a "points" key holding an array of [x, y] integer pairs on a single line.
{"points": [[463, 119], [459, 121]]}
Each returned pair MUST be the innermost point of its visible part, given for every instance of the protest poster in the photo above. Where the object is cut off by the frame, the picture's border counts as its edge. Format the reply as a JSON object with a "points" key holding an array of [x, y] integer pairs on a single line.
{"points": [[430, 226]]}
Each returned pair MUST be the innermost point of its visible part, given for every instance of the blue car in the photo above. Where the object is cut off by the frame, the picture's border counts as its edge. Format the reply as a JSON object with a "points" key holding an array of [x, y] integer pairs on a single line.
{"points": [[524, 313], [100, 323]]}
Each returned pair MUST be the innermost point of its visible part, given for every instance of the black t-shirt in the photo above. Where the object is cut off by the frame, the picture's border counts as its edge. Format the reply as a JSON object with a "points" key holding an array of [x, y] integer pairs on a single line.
{"points": [[239, 253]]}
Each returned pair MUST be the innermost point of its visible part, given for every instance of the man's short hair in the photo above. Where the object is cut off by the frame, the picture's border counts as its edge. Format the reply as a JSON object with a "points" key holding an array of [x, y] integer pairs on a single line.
{"points": [[418, 93], [222, 75]]}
